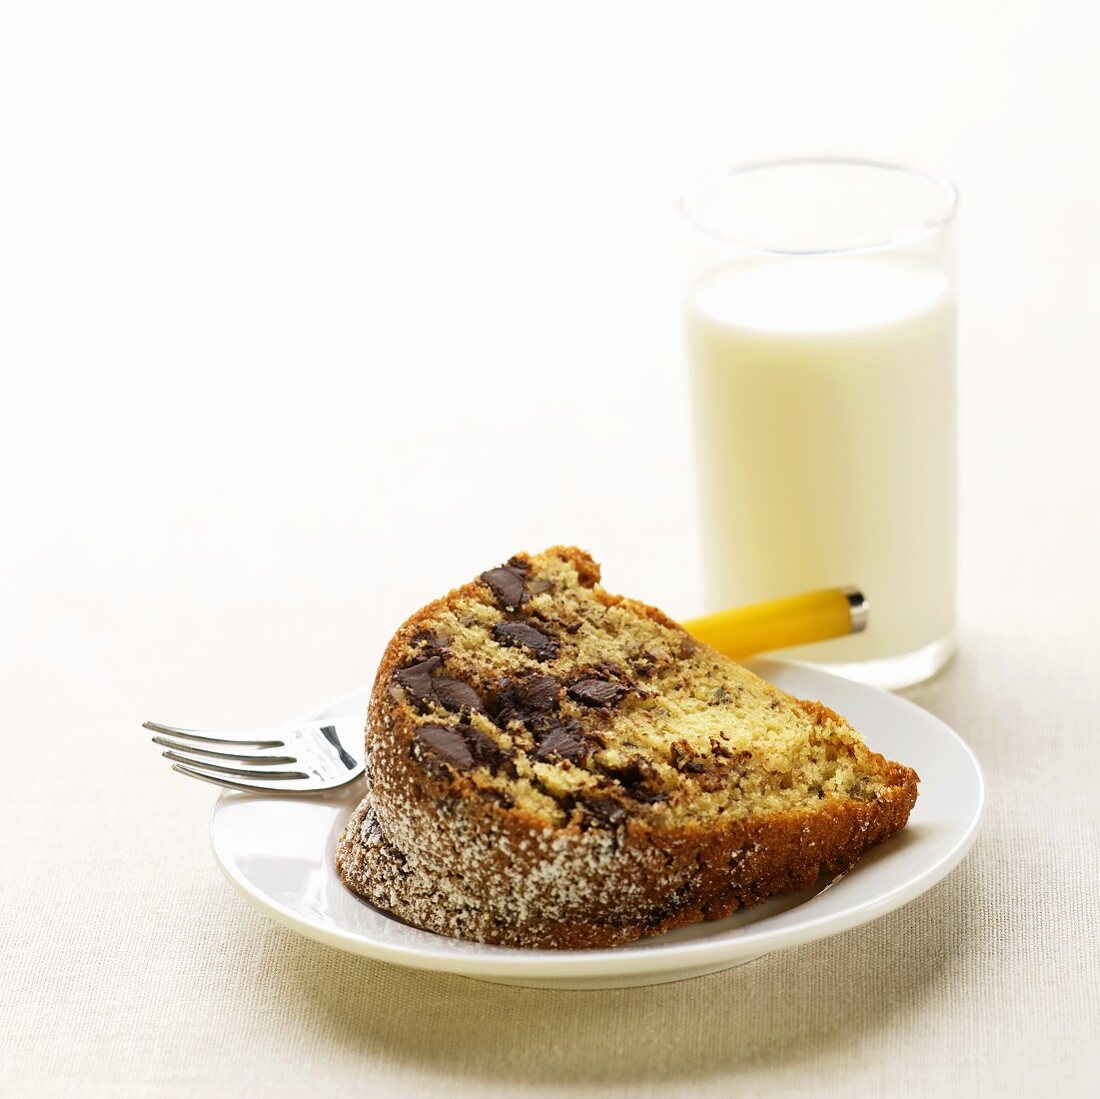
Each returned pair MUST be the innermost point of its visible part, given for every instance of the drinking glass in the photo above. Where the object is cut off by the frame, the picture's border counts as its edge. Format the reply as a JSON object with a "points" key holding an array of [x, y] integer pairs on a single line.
{"points": [[819, 311]]}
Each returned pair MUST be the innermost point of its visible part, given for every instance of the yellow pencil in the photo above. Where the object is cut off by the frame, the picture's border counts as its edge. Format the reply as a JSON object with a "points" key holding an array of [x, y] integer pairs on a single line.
{"points": [[781, 623]]}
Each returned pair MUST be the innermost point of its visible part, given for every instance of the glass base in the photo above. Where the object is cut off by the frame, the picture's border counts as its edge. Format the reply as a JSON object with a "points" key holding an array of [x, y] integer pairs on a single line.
{"points": [[894, 672]]}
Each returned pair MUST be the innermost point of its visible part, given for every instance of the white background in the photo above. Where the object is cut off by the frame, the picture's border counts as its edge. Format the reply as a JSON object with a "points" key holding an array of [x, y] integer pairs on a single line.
{"points": [[317, 310], [310, 311]]}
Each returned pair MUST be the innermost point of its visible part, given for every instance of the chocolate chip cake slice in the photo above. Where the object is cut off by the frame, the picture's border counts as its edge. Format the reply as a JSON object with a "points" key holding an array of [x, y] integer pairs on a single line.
{"points": [[553, 766]]}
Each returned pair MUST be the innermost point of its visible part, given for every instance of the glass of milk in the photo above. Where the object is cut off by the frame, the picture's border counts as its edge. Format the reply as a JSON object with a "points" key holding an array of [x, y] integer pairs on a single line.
{"points": [[820, 321]]}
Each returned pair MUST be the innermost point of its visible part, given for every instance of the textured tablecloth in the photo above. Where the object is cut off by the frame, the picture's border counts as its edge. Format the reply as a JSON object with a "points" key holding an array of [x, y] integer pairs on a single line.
{"points": [[130, 967], [270, 385]]}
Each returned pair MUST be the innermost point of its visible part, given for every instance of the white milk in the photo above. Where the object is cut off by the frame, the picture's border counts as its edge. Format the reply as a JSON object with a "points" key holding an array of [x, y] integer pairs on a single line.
{"points": [[825, 421]]}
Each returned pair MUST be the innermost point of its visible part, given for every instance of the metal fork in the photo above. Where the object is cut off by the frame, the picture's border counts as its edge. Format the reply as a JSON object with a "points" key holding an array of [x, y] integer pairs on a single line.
{"points": [[304, 758]]}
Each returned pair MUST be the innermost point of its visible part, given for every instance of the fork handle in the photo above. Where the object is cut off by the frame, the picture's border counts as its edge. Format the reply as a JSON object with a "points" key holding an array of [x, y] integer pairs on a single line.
{"points": [[781, 623]]}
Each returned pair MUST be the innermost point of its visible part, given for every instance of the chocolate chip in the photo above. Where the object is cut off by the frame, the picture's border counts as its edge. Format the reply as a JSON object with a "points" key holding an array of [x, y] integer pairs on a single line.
{"points": [[526, 700], [520, 633], [562, 742], [507, 586], [454, 695], [631, 774], [597, 692], [417, 680], [497, 796], [445, 744], [430, 645], [604, 809], [634, 777], [684, 758], [484, 749], [537, 692]]}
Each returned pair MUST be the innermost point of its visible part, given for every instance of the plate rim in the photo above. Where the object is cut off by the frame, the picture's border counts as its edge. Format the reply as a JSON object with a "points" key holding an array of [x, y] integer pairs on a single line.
{"points": [[752, 942]]}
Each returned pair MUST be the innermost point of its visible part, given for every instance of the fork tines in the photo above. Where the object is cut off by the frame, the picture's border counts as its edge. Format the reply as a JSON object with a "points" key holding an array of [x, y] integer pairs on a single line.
{"points": [[305, 758], [198, 762]]}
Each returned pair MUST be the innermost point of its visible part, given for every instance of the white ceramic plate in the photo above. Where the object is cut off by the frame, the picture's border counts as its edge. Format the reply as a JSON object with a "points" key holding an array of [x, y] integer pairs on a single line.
{"points": [[278, 852]]}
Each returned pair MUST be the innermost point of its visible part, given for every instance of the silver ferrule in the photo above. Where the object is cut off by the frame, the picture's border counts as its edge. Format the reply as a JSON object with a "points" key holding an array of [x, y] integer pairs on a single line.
{"points": [[858, 609]]}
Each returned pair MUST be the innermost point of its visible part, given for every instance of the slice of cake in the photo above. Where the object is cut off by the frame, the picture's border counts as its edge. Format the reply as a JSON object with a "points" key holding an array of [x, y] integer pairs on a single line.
{"points": [[553, 766]]}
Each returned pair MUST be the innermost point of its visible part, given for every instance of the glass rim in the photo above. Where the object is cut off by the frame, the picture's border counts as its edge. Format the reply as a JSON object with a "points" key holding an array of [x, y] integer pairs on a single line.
{"points": [[911, 234]]}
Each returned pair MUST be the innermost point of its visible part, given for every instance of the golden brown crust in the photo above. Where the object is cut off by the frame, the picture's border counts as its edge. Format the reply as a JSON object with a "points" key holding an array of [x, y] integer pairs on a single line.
{"points": [[430, 847], [671, 881]]}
